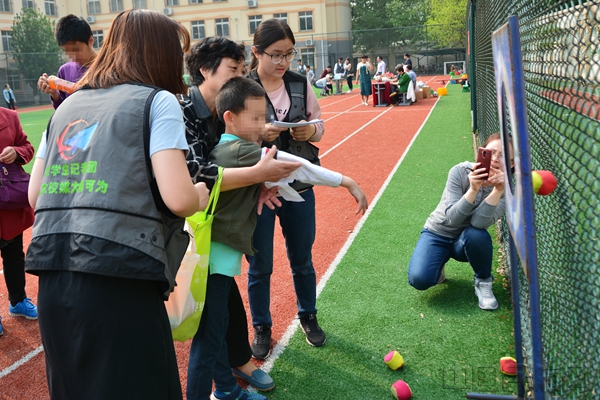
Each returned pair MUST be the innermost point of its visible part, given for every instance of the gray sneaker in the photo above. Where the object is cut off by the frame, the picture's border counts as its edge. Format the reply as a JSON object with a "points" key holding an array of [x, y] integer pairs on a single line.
{"points": [[483, 290]]}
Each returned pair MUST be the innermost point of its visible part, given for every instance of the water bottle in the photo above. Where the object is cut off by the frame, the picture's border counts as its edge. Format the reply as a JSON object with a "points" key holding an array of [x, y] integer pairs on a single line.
{"points": [[56, 83]]}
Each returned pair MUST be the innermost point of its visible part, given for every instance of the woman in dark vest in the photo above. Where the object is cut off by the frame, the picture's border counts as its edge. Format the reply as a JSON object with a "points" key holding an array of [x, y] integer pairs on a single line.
{"points": [[289, 98], [107, 186]]}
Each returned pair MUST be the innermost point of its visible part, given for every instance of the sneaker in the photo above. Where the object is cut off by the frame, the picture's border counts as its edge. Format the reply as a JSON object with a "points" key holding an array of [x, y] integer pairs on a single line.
{"points": [[236, 394], [483, 290], [261, 345], [442, 277], [25, 308], [349, 91], [1, 330], [314, 334]]}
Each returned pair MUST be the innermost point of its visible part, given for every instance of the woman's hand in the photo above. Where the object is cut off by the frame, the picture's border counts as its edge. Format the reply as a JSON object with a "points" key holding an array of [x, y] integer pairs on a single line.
{"points": [[8, 155], [303, 133], [271, 132], [477, 177], [497, 179]]}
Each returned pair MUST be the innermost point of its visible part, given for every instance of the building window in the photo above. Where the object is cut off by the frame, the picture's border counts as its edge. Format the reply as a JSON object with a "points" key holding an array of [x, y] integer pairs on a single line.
{"points": [[306, 21], [93, 7], [98, 39], [198, 30], [50, 7], [26, 4], [222, 27], [281, 17], [195, 1], [116, 5], [219, 1], [308, 57], [170, 3], [139, 4], [254, 21], [5, 5], [6, 39]]}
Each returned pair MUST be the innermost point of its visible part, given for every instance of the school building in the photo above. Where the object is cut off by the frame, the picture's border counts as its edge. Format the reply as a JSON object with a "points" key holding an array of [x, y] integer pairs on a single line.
{"points": [[314, 23]]}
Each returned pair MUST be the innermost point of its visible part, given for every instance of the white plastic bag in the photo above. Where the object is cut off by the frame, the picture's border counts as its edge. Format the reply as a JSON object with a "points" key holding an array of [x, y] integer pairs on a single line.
{"points": [[181, 303]]}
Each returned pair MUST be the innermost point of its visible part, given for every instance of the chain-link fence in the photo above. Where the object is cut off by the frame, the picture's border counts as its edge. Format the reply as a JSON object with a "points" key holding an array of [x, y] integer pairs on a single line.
{"points": [[23, 80], [561, 54]]}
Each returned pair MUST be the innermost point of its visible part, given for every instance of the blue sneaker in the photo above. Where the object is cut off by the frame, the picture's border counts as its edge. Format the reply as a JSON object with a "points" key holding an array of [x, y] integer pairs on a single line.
{"points": [[25, 309], [1, 330], [236, 394]]}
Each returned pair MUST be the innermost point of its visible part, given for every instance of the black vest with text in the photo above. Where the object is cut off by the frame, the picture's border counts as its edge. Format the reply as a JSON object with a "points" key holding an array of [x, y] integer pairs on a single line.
{"points": [[296, 87]]}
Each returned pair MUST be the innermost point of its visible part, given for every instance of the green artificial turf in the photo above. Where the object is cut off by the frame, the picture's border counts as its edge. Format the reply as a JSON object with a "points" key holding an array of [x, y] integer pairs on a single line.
{"points": [[367, 308], [34, 124]]}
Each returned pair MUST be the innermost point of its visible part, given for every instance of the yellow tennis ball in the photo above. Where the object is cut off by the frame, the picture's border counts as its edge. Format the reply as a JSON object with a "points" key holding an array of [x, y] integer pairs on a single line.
{"points": [[537, 181]]}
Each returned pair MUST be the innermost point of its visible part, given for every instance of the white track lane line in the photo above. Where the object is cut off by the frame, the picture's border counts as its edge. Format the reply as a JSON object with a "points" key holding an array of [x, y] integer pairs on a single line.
{"points": [[22, 361], [289, 333]]}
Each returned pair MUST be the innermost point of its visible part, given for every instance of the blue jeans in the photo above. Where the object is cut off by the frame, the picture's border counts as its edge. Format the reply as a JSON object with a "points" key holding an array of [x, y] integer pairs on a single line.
{"points": [[208, 353], [297, 220], [433, 252]]}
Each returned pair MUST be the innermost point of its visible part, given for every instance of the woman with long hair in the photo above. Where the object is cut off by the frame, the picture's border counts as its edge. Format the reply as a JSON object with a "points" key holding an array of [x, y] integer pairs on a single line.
{"points": [[110, 187], [289, 98]]}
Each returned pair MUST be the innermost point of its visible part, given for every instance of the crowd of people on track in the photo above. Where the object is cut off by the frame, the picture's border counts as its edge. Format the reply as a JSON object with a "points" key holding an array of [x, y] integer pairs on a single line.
{"points": [[135, 150]]}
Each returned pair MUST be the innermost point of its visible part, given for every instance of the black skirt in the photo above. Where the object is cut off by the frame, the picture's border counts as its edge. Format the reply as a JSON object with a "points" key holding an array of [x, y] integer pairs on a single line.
{"points": [[106, 338]]}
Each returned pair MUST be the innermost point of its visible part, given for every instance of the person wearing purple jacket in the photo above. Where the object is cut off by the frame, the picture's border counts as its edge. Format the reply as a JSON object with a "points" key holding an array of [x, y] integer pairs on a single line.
{"points": [[74, 35]]}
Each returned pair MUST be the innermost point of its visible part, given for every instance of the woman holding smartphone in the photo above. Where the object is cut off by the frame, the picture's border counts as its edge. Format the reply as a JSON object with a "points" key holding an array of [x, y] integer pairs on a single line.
{"points": [[471, 202]]}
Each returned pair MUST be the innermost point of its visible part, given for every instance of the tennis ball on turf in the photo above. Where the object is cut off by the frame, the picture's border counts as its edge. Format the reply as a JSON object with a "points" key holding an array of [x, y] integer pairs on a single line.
{"points": [[401, 391], [544, 182], [394, 360], [508, 366]]}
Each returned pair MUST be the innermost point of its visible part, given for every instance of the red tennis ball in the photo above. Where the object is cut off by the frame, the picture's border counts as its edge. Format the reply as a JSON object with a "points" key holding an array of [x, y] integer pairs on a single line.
{"points": [[401, 391], [544, 182], [508, 366]]}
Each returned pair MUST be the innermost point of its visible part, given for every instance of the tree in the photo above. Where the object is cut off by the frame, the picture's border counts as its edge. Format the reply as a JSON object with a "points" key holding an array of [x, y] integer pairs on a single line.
{"points": [[369, 20], [34, 46], [446, 22]]}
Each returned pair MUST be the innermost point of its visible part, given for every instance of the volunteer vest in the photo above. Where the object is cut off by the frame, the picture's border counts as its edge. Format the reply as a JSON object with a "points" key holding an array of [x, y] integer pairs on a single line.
{"points": [[96, 186], [295, 85]]}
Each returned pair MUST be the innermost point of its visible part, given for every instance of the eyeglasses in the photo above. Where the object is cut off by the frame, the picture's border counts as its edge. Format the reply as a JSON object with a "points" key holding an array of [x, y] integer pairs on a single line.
{"points": [[498, 155], [278, 58]]}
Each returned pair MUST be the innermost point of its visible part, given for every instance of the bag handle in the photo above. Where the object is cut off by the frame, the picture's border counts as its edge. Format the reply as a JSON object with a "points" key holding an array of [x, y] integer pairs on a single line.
{"points": [[214, 194]]}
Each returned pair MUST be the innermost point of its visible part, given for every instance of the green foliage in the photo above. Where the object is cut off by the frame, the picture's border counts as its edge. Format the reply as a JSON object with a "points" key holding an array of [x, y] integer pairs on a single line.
{"points": [[35, 49], [447, 22], [368, 18]]}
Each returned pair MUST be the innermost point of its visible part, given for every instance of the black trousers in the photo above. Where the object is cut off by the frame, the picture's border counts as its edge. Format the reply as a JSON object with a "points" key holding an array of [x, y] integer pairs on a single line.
{"points": [[106, 338], [13, 261]]}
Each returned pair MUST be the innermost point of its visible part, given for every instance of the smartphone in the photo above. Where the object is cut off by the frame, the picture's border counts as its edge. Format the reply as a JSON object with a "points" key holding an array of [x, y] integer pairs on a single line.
{"points": [[484, 157]]}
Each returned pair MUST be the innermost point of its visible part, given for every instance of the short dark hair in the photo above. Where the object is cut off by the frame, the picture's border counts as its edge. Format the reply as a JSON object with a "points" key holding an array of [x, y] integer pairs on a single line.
{"points": [[329, 66], [400, 67], [364, 56], [307, 66], [72, 28], [408, 66], [234, 93], [406, 55], [208, 53]]}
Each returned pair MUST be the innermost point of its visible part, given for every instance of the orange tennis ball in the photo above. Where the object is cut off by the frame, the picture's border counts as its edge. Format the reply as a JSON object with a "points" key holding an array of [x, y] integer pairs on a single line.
{"points": [[544, 182], [401, 391], [394, 360], [508, 366]]}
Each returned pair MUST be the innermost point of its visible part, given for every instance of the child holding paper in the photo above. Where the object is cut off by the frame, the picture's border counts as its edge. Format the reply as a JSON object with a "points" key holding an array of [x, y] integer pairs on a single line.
{"points": [[241, 105]]}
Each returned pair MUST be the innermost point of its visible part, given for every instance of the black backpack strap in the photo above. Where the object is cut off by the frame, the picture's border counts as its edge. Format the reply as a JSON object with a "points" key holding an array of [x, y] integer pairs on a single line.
{"points": [[160, 204]]}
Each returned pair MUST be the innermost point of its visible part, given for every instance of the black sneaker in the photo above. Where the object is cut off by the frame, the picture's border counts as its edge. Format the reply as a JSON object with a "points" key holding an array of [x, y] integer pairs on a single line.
{"points": [[314, 334], [261, 345]]}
